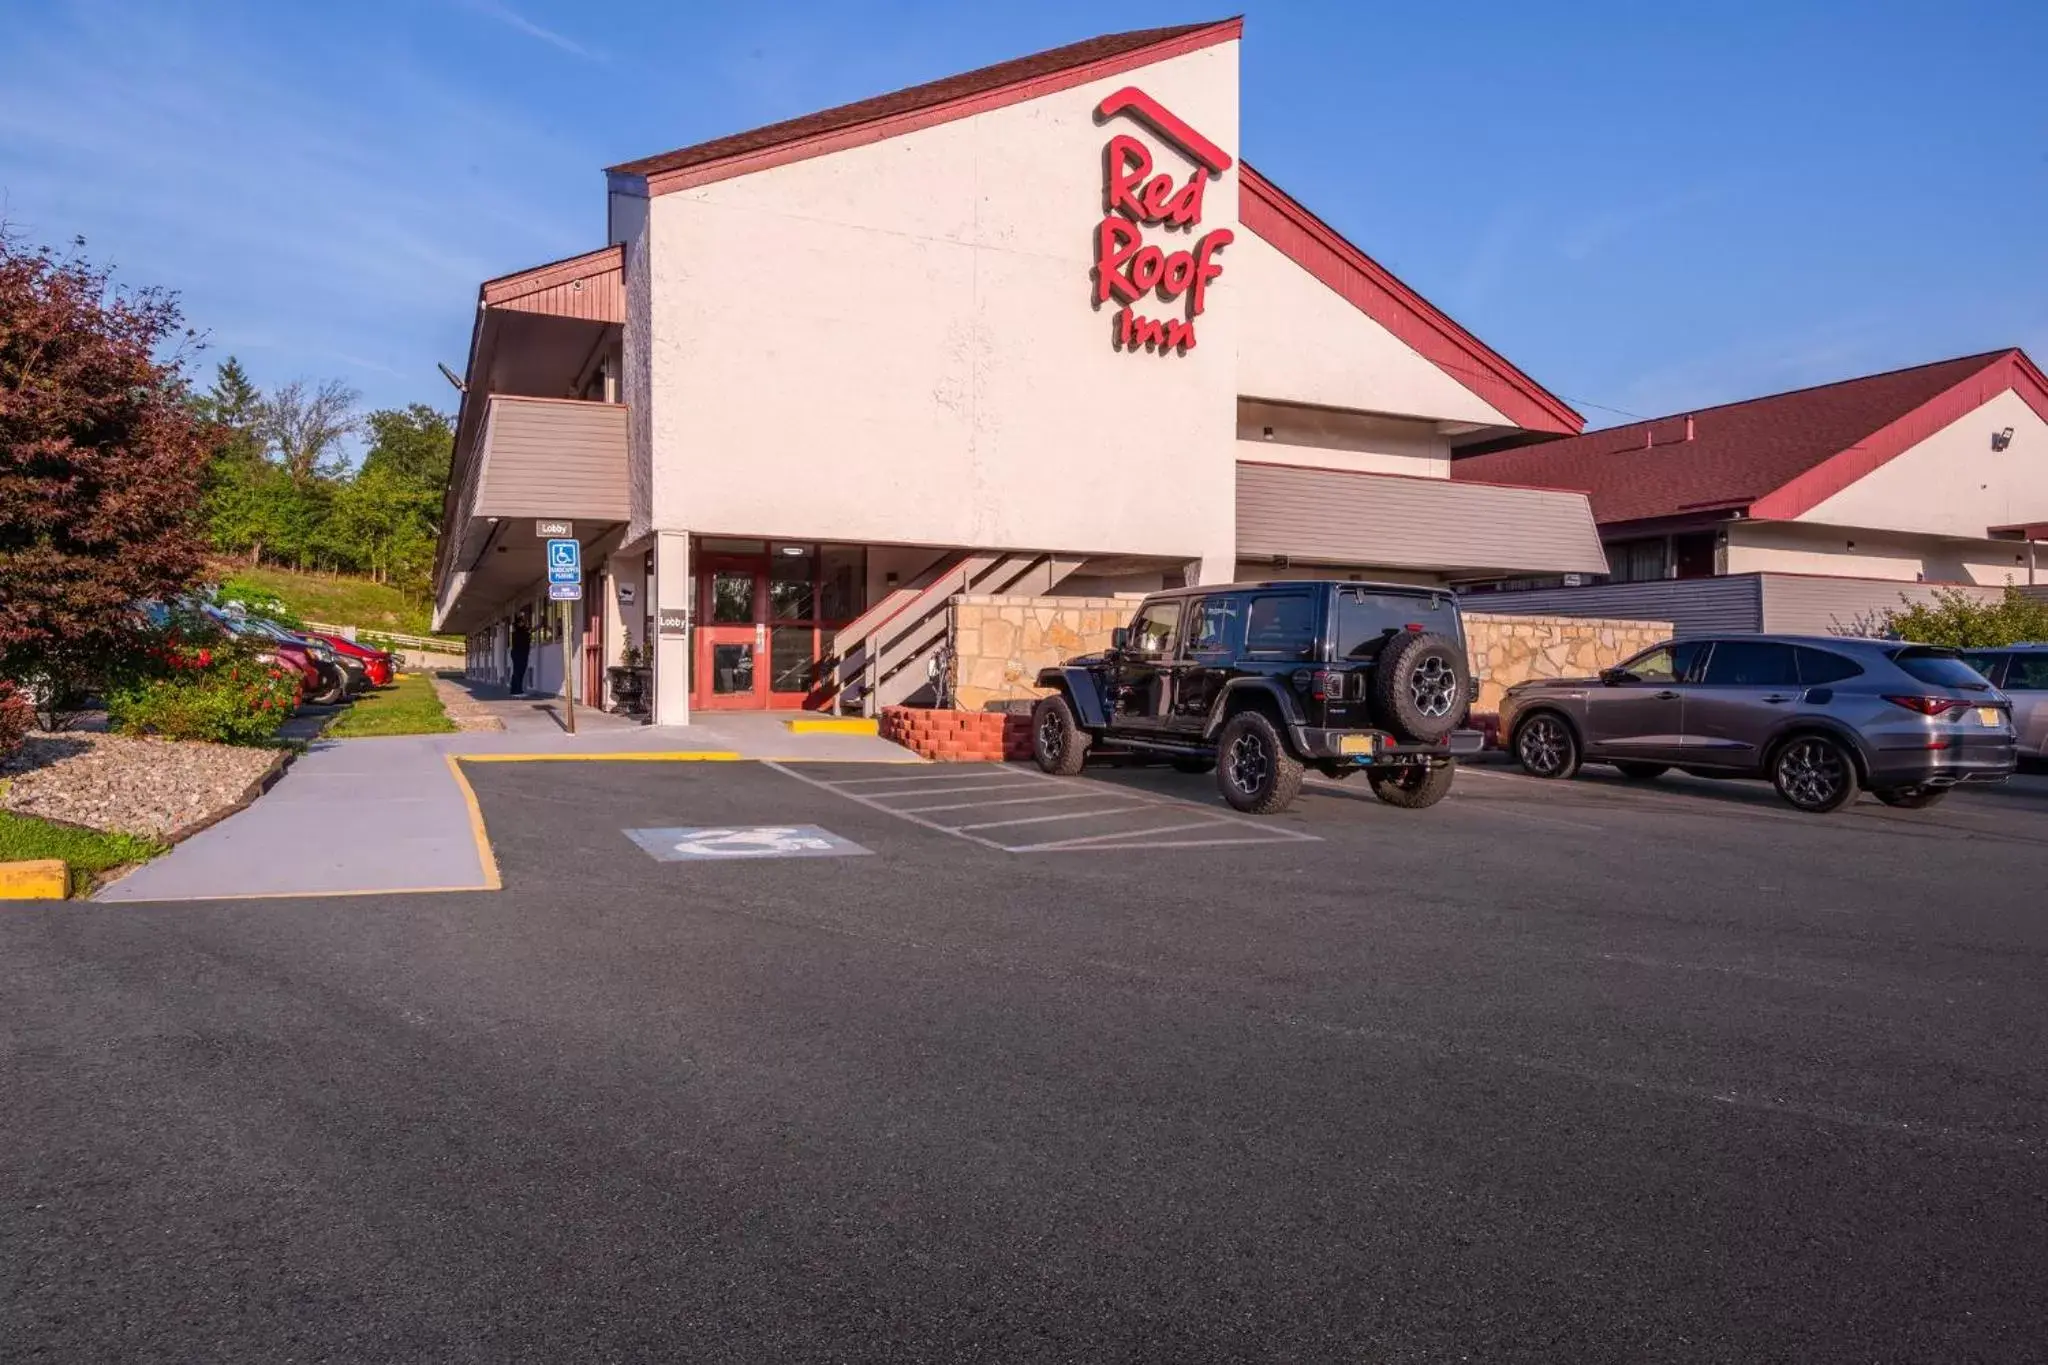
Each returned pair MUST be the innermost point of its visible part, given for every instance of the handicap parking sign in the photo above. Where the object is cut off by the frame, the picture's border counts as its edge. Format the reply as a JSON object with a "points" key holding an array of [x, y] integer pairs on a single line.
{"points": [[741, 843], [565, 561]]}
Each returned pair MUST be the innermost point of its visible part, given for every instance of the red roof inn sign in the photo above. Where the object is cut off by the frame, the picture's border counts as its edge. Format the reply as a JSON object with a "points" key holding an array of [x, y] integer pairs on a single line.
{"points": [[1127, 267]]}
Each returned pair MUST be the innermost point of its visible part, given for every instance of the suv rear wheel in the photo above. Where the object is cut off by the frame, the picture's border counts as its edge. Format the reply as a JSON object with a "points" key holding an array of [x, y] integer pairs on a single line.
{"points": [[1254, 771], [1413, 788], [1058, 744]]}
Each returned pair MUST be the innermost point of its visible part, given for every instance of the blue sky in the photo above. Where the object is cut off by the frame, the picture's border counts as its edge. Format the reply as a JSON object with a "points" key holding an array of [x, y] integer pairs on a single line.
{"points": [[1648, 207]]}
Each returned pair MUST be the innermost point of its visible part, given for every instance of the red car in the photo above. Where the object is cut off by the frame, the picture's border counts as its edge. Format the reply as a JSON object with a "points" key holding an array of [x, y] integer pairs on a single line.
{"points": [[376, 662]]}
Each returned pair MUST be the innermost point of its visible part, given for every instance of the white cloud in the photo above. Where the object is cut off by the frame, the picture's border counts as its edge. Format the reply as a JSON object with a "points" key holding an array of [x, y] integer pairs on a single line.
{"points": [[520, 23]]}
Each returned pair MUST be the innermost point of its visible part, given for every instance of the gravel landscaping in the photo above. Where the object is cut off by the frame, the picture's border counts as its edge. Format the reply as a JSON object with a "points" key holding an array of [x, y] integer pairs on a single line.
{"points": [[150, 787]]}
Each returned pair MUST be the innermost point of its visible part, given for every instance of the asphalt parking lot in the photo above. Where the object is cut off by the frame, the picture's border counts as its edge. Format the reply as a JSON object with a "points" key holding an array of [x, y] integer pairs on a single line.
{"points": [[1584, 1072]]}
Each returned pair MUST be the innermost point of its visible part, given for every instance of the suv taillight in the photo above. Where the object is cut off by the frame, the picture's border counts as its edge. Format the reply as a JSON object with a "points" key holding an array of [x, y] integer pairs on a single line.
{"points": [[1326, 684], [1930, 706]]}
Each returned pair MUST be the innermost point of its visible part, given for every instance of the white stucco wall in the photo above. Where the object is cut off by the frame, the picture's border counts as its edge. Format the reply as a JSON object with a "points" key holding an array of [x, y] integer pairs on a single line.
{"points": [[629, 219], [1300, 341], [899, 342], [1953, 483], [1859, 552]]}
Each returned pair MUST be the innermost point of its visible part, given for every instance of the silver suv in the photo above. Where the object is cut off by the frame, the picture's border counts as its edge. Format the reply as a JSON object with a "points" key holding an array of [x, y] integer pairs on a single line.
{"points": [[2021, 672], [1819, 716]]}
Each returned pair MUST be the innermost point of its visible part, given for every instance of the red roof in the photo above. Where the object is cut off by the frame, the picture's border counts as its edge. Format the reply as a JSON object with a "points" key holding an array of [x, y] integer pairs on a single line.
{"points": [[1370, 287], [923, 105], [1774, 457]]}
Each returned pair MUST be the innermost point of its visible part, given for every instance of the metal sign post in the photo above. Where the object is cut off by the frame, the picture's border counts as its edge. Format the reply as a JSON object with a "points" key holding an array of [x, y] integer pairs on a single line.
{"points": [[565, 585]]}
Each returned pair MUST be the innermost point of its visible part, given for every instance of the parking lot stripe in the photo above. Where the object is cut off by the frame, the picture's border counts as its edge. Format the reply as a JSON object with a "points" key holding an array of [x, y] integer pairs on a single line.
{"points": [[873, 804], [1063, 815], [1006, 801], [947, 791], [954, 776], [1126, 834]]}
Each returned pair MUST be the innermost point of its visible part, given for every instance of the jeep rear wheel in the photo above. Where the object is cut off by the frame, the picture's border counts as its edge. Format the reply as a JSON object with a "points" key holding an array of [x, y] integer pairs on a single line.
{"points": [[1254, 771], [1413, 788], [1058, 744], [1421, 686]]}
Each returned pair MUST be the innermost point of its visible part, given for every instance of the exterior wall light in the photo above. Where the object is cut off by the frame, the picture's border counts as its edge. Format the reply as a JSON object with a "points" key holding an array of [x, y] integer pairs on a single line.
{"points": [[2001, 439]]}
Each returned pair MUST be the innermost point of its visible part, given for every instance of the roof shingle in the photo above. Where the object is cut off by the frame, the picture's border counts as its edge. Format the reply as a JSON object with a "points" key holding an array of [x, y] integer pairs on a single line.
{"points": [[1738, 453], [918, 97]]}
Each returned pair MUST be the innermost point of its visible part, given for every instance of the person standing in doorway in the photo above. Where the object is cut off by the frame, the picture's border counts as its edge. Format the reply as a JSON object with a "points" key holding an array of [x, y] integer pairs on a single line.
{"points": [[522, 647]]}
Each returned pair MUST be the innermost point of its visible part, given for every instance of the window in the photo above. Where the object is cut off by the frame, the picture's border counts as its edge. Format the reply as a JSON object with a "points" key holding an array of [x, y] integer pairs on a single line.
{"points": [[1366, 619], [1216, 625], [1152, 632], [1987, 664], [1751, 663], [2028, 672], [1638, 561], [1283, 625], [1817, 666], [1940, 668], [1666, 663]]}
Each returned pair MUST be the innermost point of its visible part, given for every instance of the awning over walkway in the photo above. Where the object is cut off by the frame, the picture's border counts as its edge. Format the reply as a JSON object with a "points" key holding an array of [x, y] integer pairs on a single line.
{"points": [[535, 458], [1464, 530]]}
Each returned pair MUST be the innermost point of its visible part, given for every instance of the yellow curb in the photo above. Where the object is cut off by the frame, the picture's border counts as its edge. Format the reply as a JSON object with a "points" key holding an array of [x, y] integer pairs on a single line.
{"points": [[653, 756], [39, 879], [833, 725], [485, 857]]}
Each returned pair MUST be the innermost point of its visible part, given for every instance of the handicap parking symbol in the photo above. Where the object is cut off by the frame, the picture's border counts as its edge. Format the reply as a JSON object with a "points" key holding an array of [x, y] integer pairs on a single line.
{"points": [[741, 843]]}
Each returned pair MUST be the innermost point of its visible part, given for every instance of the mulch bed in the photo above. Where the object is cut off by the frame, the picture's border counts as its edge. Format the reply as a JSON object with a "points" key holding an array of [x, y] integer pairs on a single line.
{"points": [[161, 789]]}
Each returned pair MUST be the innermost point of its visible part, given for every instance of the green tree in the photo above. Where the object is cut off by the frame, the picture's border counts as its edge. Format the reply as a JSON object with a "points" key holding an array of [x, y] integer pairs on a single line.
{"points": [[1961, 621]]}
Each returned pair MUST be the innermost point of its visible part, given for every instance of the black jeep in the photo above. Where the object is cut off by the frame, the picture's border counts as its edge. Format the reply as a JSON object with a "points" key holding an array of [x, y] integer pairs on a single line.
{"points": [[1261, 680]]}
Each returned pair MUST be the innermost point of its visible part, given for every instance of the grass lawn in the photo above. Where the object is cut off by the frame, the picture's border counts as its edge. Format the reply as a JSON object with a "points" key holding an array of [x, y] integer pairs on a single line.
{"points": [[409, 707], [340, 600], [23, 837]]}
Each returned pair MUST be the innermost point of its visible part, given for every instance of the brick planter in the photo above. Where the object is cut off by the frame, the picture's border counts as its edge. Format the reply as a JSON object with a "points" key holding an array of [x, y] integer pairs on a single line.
{"points": [[959, 736]]}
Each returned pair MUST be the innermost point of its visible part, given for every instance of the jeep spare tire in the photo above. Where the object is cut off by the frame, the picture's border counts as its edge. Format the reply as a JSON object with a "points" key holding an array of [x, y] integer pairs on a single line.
{"points": [[1422, 686]]}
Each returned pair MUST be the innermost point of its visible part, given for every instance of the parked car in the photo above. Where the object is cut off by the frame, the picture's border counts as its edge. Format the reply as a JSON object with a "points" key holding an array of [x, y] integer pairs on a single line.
{"points": [[1260, 681], [376, 663], [333, 678], [1820, 717], [2021, 672]]}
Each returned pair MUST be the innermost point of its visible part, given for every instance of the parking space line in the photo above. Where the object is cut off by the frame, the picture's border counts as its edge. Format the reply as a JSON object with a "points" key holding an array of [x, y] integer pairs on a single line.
{"points": [[1209, 823], [994, 773], [946, 791], [1041, 789], [1064, 815], [873, 804], [1007, 801]]}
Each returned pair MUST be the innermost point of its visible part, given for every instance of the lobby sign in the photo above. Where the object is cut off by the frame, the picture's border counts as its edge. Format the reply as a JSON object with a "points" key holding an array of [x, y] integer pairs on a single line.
{"points": [[1136, 196]]}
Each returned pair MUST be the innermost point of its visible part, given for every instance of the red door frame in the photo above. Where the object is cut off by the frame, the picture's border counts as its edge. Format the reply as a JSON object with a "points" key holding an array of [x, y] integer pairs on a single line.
{"points": [[759, 633]]}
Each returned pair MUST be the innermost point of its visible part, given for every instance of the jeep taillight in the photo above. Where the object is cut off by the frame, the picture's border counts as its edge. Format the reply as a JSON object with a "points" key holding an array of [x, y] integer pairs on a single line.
{"points": [[1326, 684]]}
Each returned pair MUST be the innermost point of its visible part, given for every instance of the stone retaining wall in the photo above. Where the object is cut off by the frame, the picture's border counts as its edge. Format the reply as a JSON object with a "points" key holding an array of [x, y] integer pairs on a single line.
{"points": [[1506, 650], [1000, 643]]}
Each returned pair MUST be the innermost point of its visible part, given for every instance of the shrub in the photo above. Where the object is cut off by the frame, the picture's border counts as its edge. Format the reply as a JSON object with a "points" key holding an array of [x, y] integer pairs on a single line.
{"points": [[258, 602], [211, 689], [17, 717], [101, 454], [1959, 620]]}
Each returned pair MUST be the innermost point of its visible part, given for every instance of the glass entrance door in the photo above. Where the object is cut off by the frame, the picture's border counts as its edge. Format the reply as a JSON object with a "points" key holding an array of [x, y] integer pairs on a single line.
{"points": [[765, 621], [730, 637]]}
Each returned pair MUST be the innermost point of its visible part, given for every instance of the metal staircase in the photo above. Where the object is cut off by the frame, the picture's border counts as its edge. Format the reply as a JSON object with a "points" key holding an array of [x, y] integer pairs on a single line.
{"points": [[880, 659]]}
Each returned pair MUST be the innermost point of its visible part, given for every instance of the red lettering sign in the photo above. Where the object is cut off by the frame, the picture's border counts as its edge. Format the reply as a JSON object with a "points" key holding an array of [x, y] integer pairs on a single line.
{"points": [[1137, 195]]}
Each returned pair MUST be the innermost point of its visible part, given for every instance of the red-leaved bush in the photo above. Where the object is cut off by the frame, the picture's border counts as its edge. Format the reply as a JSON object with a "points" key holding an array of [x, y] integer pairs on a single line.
{"points": [[101, 455], [17, 718]]}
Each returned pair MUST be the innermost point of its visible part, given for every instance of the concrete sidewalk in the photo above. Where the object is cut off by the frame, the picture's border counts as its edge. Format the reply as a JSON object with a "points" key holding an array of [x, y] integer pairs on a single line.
{"points": [[356, 816]]}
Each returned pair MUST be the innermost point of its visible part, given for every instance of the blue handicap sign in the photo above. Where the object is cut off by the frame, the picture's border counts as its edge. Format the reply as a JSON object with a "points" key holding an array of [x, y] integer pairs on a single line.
{"points": [[565, 561]]}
